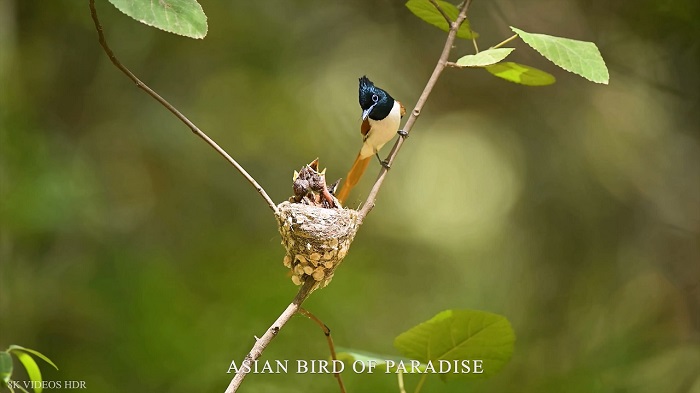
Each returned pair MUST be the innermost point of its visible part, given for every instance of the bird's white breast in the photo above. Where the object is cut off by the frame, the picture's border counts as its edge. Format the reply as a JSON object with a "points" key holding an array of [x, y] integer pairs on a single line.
{"points": [[381, 131]]}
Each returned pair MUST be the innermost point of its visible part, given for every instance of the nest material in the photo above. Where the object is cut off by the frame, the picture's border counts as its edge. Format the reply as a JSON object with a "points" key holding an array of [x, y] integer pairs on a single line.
{"points": [[316, 239]]}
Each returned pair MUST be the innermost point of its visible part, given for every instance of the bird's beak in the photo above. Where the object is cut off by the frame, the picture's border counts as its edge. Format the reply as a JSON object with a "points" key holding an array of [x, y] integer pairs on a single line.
{"points": [[366, 112]]}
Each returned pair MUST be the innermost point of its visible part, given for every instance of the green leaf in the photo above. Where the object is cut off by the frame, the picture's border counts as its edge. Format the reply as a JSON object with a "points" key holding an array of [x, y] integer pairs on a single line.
{"points": [[580, 57], [33, 352], [183, 17], [383, 363], [460, 335], [31, 367], [5, 368], [426, 11], [487, 57], [522, 74]]}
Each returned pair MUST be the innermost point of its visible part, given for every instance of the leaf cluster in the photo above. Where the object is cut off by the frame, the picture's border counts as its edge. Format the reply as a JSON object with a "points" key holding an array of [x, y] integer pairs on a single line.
{"points": [[25, 357], [187, 18], [579, 57]]}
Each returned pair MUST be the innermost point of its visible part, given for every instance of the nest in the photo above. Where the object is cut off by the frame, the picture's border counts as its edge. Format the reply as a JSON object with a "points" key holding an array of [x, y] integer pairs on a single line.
{"points": [[316, 239]]}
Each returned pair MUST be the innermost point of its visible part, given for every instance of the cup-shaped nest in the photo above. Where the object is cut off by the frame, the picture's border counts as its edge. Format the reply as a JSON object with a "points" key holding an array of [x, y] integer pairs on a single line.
{"points": [[316, 239]]}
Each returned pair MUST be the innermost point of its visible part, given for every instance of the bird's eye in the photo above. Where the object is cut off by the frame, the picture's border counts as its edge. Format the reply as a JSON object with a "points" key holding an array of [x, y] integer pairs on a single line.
{"points": [[375, 98]]}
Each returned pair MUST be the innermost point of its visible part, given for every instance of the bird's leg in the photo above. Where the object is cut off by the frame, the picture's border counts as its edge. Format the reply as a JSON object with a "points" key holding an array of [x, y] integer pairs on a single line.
{"points": [[384, 163]]}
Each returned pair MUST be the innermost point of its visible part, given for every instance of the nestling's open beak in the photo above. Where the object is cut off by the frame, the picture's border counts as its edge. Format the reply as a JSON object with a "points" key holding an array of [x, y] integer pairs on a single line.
{"points": [[366, 112]]}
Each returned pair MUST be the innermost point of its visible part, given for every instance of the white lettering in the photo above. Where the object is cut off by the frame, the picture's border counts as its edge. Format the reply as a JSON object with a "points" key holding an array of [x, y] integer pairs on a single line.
{"points": [[354, 366], [401, 367], [372, 364], [415, 367], [74, 384], [466, 368], [282, 365], [444, 363], [322, 367], [337, 363], [301, 365], [389, 365]]}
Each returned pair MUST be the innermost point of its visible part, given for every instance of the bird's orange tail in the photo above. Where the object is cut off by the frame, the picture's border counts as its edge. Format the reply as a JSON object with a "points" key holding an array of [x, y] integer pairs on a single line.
{"points": [[356, 172]]}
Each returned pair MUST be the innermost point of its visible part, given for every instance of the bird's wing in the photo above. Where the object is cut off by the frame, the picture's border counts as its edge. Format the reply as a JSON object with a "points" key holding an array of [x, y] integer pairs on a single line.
{"points": [[364, 129]]}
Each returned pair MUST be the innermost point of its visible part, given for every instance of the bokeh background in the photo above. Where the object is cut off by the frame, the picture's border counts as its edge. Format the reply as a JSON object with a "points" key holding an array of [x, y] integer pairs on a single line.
{"points": [[139, 260]]}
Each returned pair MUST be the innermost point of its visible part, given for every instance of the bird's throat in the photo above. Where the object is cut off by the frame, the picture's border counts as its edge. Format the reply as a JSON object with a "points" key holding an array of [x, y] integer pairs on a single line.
{"points": [[381, 131]]}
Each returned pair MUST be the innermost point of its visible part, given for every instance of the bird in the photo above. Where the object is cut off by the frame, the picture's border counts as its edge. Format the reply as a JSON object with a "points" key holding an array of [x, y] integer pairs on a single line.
{"points": [[381, 118]]}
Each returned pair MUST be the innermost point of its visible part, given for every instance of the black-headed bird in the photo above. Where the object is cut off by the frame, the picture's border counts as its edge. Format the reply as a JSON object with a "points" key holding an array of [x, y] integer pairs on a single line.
{"points": [[381, 118]]}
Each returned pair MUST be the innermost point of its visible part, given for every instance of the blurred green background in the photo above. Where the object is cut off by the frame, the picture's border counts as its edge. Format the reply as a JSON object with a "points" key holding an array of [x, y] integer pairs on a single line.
{"points": [[139, 260]]}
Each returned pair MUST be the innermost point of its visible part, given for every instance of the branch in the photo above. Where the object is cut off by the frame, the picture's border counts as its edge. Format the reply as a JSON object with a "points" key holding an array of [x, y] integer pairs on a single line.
{"points": [[444, 14], [329, 339], [173, 110], [439, 67], [262, 342]]}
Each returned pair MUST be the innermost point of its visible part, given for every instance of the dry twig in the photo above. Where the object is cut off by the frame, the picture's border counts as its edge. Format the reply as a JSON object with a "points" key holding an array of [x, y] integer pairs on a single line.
{"points": [[173, 110], [329, 339], [444, 14], [262, 342]]}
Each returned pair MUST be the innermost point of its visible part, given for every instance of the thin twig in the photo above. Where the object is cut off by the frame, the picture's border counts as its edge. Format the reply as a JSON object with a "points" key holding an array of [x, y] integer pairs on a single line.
{"points": [[507, 40], [329, 339], [402, 387], [444, 14], [271, 333], [439, 67], [421, 382], [173, 110]]}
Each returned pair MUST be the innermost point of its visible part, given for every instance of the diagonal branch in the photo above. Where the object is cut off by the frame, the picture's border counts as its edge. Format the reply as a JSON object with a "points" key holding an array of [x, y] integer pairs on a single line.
{"points": [[439, 67], [174, 111], [262, 342], [444, 14]]}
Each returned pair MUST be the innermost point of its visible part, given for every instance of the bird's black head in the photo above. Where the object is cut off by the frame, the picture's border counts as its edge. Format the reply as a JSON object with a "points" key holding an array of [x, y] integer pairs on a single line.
{"points": [[375, 102]]}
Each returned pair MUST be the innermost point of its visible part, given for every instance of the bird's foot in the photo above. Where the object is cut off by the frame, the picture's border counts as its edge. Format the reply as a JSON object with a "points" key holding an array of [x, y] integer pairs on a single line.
{"points": [[403, 134], [384, 163]]}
